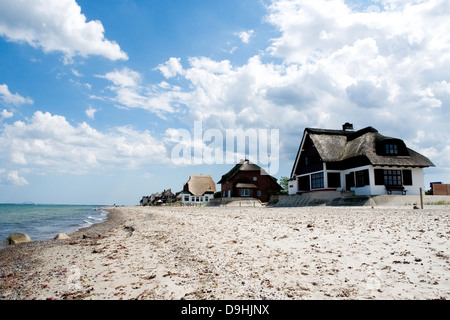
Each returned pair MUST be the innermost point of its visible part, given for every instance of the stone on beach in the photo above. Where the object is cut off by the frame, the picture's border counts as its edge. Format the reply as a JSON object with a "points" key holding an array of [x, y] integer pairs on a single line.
{"points": [[61, 236], [16, 238]]}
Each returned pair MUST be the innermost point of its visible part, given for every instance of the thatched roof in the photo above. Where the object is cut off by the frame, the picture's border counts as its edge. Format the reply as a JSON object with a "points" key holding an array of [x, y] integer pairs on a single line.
{"points": [[243, 165], [198, 185], [168, 193], [344, 145]]}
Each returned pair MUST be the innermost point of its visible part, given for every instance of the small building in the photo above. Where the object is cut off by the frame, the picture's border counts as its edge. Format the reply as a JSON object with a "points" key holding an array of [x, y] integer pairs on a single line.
{"points": [[167, 196], [156, 199], [197, 190], [145, 201], [440, 189], [364, 162], [248, 180]]}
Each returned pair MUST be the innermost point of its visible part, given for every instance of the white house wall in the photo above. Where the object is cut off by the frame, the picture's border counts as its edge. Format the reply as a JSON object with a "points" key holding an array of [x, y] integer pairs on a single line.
{"points": [[372, 189], [193, 199], [293, 186], [361, 191], [417, 180]]}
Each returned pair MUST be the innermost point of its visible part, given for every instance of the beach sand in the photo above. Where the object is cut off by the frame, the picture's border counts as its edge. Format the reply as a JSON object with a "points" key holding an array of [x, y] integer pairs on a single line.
{"points": [[234, 253]]}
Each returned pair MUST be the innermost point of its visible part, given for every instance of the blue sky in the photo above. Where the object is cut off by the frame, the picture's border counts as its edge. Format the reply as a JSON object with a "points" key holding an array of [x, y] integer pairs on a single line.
{"points": [[91, 91]]}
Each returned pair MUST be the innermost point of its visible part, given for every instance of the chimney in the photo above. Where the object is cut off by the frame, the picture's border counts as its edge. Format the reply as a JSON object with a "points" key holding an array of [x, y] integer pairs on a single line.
{"points": [[347, 126]]}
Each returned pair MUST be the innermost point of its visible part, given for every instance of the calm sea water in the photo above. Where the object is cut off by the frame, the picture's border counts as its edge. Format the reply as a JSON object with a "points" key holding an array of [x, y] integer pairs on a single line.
{"points": [[43, 222]]}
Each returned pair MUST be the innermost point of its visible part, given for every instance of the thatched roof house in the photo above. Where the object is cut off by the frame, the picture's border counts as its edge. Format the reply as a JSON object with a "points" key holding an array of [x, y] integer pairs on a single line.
{"points": [[198, 189], [248, 180], [363, 161], [167, 196]]}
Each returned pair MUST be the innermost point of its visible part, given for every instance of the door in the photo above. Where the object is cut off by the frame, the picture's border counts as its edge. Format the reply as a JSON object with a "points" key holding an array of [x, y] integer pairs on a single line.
{"points": [[304, 184], [349, 181]]}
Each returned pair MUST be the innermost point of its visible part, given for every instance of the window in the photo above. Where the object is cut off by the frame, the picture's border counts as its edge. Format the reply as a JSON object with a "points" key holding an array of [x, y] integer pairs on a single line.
{"points": [[186, 198], [392, 177], [317, 181], [407, 178], [334, 180], [245, 193], [197, 199], [391, 148], [362, 178], [206, 199], [258, 193], [255, 178]]}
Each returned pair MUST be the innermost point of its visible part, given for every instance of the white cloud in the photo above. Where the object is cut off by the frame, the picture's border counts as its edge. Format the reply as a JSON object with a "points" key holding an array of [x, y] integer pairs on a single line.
{"points": [[14, 99], [131, 93], [91, 112], [76, 73], [389, 69], [5, 114], [56, 25], [171, 68], [245, 35], [123, 78], [12, 178], [49, 143]]}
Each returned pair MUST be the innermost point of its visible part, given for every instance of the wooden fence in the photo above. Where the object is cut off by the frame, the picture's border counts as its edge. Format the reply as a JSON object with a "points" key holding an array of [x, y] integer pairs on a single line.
{"points": [[441, 189]]}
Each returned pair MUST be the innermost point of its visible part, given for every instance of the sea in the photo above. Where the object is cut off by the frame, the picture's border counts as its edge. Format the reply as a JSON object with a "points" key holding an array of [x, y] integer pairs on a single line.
{"points": [[44, 222]]}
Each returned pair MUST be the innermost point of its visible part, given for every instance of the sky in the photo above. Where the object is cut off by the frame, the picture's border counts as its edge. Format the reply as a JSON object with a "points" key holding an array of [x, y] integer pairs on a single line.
{"points": [[95, 96]]}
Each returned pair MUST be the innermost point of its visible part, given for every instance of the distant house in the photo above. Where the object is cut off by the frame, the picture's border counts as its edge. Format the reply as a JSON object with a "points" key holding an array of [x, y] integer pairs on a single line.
{"points": [[362, 161], [248, 180], [159, 198], [167, 196], [145, 201], [156, 198], [198, 189]]}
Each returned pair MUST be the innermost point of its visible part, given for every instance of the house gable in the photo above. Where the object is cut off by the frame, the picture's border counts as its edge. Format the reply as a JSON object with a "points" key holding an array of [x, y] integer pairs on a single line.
{"points": [[198, 189], [309, 159], [247, 179]]}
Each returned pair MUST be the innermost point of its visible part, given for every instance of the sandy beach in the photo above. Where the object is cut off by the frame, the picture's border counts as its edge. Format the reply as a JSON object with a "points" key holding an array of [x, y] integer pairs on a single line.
{"points": [[233, 253]]}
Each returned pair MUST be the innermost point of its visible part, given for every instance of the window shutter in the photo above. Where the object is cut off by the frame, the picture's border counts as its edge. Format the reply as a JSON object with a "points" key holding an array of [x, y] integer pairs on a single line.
{"points": [[366, 177], [407, 178], [379, 177]]}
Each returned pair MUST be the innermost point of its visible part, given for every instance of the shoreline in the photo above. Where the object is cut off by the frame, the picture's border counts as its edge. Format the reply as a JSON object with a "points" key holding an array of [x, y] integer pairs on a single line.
{"points": [[22, 258], [172, 253]]}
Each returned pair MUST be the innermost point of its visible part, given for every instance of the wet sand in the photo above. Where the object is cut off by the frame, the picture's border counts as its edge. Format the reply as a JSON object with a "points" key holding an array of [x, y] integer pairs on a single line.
{"points": [[233, 253]]}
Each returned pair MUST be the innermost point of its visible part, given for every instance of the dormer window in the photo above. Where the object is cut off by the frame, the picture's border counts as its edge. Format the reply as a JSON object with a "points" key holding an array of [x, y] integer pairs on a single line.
{"points": [[391, 148]]}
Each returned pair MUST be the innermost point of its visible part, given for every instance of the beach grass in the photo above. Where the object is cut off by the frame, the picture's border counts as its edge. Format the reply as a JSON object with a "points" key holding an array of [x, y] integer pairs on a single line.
{"points": [[438, 203]]}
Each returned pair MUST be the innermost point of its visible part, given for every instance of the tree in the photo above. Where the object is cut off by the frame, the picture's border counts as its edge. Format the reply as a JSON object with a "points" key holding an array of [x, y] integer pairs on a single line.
{"points": [[284, 182]]}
